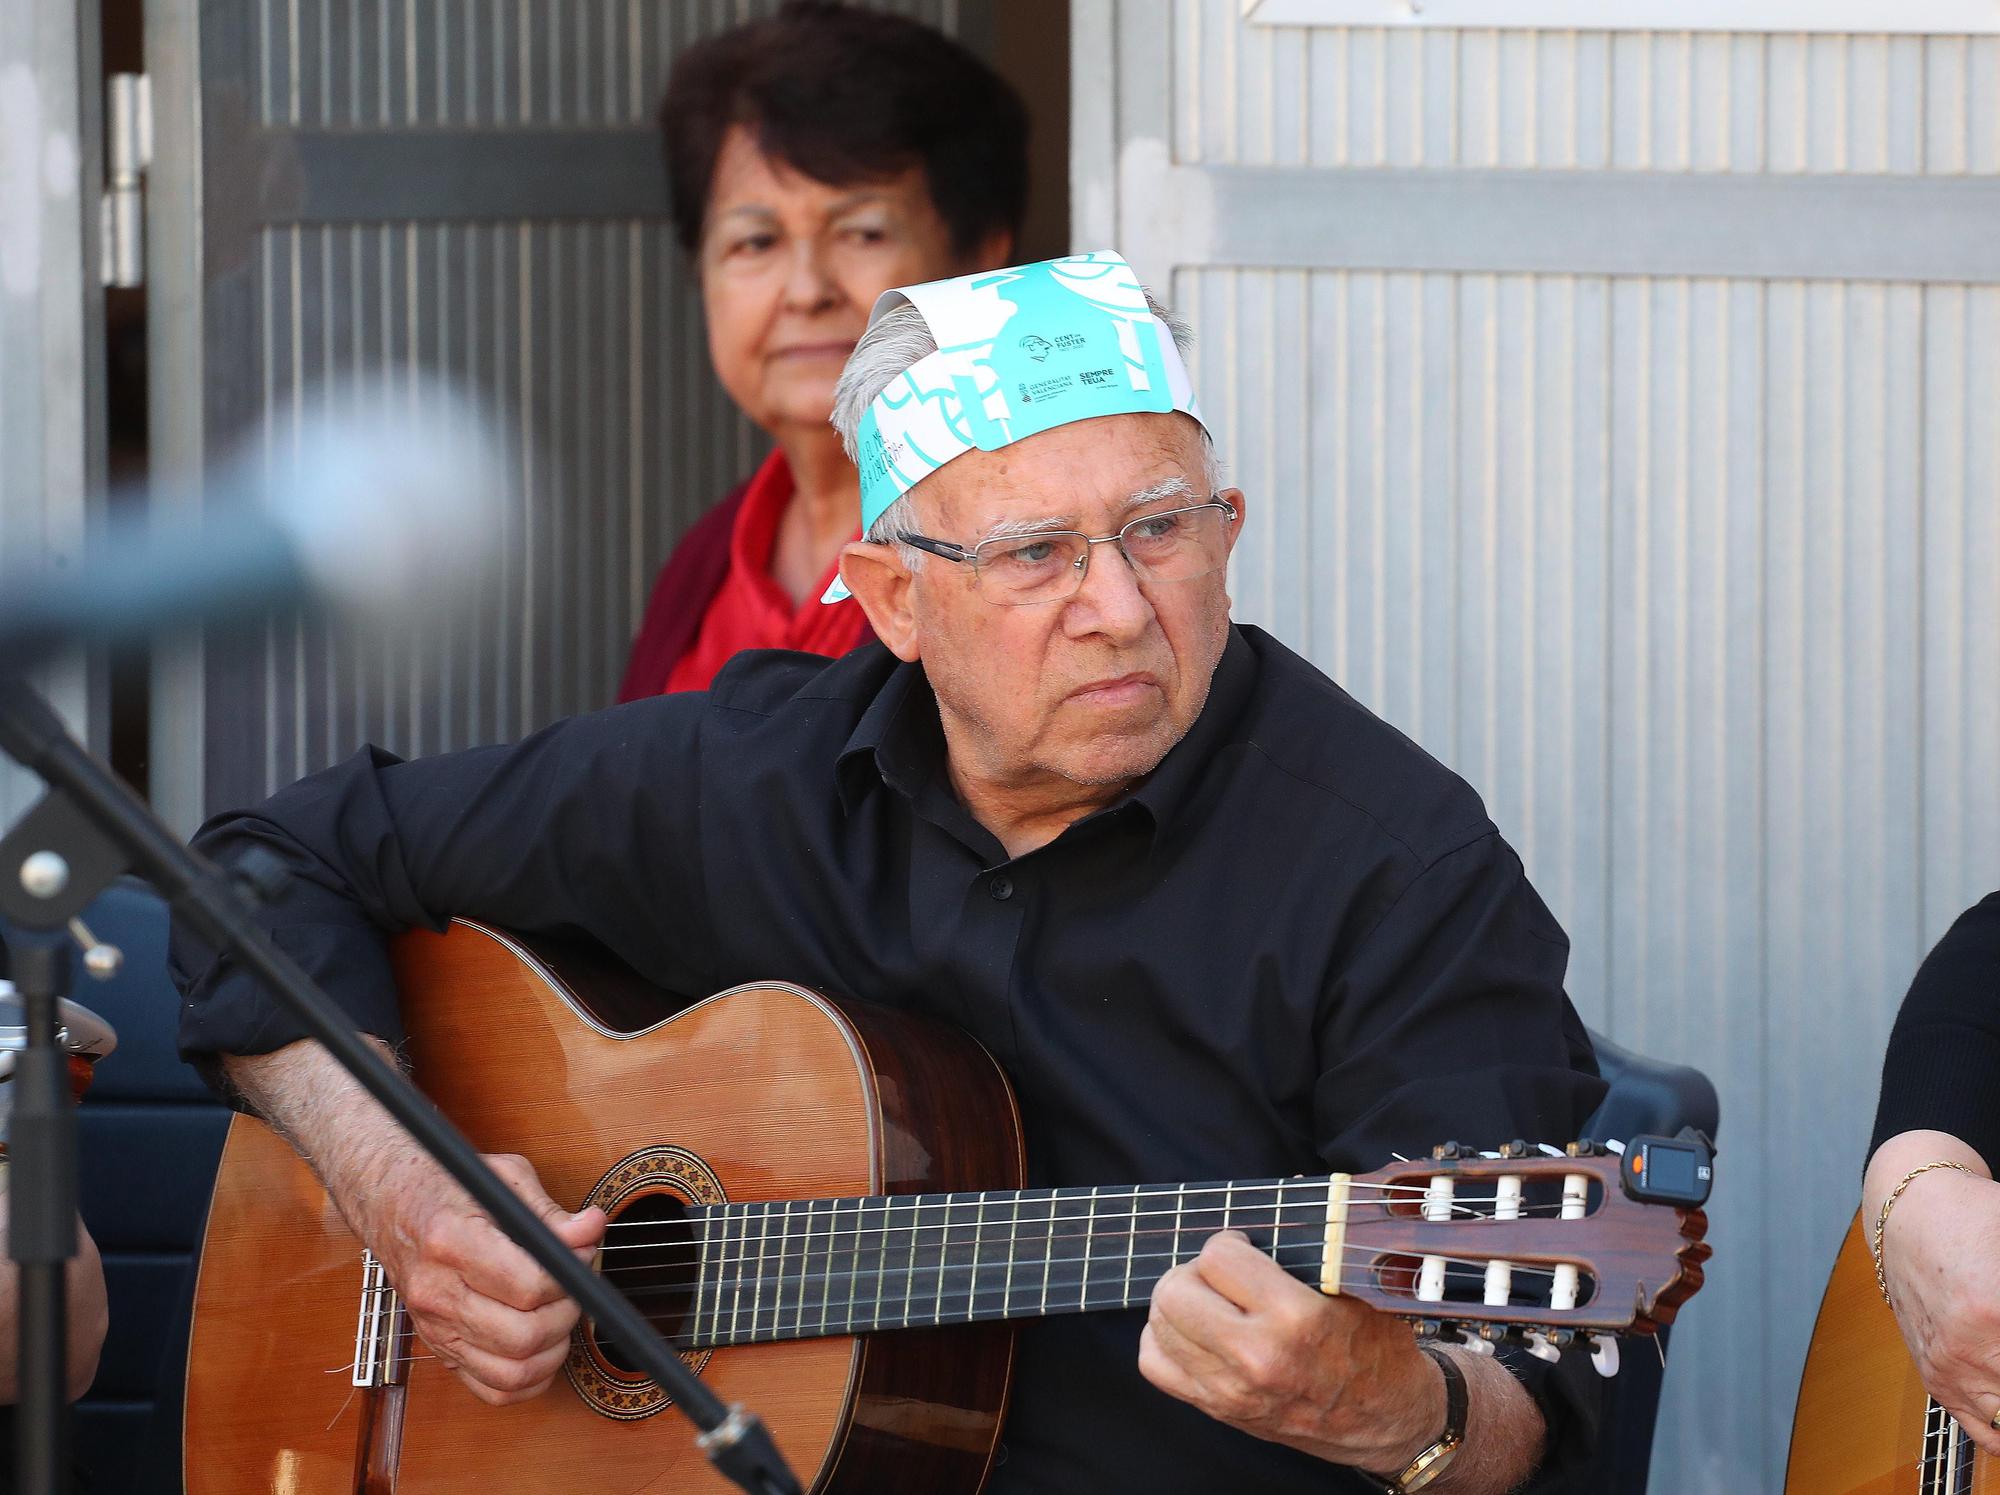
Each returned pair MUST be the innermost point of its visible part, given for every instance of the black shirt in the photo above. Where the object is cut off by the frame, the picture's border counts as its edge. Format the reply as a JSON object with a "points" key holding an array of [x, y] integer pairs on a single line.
{"points": [[1942, 1071], [1299, 945]]}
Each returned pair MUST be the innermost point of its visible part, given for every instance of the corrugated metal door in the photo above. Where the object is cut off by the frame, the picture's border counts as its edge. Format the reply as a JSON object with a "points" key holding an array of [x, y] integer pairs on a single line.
{"points": [[1624, 413], [472, 188], [51, 330]]}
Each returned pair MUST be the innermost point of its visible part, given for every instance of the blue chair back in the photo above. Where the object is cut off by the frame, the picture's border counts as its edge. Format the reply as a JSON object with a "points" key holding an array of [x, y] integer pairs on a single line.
{"points": [[150, 1137], [1647, 1097]]}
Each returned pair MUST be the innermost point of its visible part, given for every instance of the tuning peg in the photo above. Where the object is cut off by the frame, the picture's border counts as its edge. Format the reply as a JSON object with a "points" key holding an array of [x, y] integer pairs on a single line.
{"points": [[1584, 1147], [1515, 1149], [1445, 1152], [1476, 1341], [1430, 1329], [1541, 1345], [1603, 1354]]}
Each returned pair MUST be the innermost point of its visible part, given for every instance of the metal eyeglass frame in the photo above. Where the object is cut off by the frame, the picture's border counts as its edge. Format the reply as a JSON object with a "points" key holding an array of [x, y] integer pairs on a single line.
{"points": [[960, 554]]}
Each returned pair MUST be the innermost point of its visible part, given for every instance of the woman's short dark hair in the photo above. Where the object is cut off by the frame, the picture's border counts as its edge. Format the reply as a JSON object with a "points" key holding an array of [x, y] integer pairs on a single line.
{"points": [[847, 95]]}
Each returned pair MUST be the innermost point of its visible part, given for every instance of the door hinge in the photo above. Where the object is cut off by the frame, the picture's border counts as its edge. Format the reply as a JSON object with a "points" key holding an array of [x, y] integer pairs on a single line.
{"points": [[128, 142]]}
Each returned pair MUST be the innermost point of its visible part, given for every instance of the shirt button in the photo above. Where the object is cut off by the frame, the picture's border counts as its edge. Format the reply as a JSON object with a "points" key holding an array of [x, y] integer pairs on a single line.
{"points": [[1002, 888]]}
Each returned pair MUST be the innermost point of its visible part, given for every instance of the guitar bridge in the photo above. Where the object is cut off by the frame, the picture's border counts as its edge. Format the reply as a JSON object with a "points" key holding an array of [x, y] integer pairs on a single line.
{"points": [[381, 1335]]}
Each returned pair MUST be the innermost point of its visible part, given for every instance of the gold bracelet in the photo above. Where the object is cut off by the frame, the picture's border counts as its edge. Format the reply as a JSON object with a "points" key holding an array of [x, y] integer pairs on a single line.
{"points": [[1882, 1220]]}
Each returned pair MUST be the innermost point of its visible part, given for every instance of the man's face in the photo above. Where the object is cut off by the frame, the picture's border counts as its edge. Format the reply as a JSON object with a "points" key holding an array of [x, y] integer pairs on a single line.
{"points": [[1094, 689]]}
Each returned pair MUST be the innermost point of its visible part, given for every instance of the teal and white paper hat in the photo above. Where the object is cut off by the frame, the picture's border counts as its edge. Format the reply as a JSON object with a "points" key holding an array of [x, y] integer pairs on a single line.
{"points": [[1020, 351]]}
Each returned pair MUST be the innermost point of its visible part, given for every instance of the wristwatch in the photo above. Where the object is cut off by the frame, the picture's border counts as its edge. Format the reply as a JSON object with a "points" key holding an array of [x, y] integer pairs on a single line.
{"points": [[1434, 1460]]}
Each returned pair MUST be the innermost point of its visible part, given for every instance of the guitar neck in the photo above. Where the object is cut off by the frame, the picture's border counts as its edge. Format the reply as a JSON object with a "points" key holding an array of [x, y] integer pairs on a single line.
{"points": [[798, 1269]]}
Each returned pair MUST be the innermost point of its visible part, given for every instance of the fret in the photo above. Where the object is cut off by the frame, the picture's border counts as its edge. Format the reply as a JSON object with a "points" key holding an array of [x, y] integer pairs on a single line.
{"points": [[783, 1264], [876, 1233], [701, 1220], [741, 1214], [1066, 1261], [835, 1262], [809, 1272], [910, 1270], [1174, 1245], [944, 1256], [1131, 1246], [981, 1302], [757, 1290], [1089, 1240], [1048, 1253]]}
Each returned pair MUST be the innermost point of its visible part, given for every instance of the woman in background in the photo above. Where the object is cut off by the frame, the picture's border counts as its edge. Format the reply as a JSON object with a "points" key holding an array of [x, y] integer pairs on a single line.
{"points": [[816, 159]]}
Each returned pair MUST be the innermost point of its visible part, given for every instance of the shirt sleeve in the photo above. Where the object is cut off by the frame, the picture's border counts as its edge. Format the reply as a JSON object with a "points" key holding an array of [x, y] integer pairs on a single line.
{"points": [[588, 827], [1448, 1022], [1942, 1069]]}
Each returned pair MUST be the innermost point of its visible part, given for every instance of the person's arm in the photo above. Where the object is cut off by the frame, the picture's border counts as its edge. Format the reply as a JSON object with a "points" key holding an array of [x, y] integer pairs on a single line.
{"points": [[586, 826], [1446, 1020], [88, 1316], [1234, 1334], [475, 1298], [1940, 1103]]}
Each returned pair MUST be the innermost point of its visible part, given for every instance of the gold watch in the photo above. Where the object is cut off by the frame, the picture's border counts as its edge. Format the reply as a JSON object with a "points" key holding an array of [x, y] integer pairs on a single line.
{"points": [[1434, 1460]]}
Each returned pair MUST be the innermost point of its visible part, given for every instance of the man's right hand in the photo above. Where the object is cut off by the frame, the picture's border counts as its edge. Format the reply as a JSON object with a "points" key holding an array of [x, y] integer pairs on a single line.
{"points": [[478, 1301]]}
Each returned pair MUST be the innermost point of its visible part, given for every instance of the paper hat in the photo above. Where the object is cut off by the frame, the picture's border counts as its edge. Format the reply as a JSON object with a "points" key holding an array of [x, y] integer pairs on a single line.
{"points": [[1019, 351]]}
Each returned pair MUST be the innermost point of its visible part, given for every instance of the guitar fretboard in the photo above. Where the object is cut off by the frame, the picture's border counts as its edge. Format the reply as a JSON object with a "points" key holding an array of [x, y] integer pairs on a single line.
{"points": [[800, 1269], [1946, 1468]]}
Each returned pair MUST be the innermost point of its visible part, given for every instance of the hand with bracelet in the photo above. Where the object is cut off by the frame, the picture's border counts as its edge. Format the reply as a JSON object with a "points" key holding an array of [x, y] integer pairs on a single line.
{"points": [[1939, 1254], [1930, 1207]]}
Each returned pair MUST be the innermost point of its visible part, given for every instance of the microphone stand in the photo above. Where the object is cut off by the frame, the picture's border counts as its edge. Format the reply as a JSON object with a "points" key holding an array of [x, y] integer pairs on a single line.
{"points": [[89, 829]]}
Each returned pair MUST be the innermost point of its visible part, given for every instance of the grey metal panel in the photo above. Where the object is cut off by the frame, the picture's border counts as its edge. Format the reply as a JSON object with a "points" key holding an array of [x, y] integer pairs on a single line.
{"points": [[51, 328], [457, 185], [1664, 101], [446, 176], [1697, 578], [1825, 227], [1695, 581]]}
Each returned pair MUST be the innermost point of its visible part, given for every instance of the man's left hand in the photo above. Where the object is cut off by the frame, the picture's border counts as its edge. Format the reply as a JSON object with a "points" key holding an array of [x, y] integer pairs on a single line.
{"points": [[1233, 1334]]}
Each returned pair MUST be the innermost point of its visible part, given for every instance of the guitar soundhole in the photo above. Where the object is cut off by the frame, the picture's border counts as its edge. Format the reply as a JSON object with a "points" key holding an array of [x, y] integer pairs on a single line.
{"points": [[653, 1258], [651, 1255]]}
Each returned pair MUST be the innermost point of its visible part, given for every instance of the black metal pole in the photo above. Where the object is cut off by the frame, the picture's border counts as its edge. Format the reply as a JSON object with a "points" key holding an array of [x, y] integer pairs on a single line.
{"points": [[736, 1442], [41, 1217]]}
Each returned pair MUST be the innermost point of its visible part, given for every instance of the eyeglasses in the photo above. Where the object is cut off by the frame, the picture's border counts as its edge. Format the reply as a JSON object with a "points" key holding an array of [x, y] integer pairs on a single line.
{"points": [[1048, 565]]}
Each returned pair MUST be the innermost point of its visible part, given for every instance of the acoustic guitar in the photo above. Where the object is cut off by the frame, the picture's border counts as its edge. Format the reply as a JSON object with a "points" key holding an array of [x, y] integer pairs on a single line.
{"points": [[789, 1177], [1864, 1423]]}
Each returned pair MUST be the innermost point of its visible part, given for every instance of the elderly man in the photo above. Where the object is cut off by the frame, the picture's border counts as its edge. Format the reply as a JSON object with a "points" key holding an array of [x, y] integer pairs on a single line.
{"points": [[1214, 918]]}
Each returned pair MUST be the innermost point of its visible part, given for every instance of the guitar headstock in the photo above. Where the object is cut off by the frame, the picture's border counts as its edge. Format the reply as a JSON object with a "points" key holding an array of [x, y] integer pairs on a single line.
{"points": [[1589, 1241]]}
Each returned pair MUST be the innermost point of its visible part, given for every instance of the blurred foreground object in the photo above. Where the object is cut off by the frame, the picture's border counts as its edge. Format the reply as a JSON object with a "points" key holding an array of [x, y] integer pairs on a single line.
{"points": [[377, 498]]}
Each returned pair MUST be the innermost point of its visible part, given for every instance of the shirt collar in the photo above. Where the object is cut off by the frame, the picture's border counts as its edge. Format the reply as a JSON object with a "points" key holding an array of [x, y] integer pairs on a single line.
{"points": [[898, 740]]}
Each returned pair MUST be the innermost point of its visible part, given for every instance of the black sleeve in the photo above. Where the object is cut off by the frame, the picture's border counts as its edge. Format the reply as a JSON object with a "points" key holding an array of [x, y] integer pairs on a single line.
{"points": [[1451, 1024], [1942, 1071], [588, 827]]}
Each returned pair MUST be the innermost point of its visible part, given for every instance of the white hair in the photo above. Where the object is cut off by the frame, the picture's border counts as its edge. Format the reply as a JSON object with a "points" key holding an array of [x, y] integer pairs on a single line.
{"points": [[892, 346]]}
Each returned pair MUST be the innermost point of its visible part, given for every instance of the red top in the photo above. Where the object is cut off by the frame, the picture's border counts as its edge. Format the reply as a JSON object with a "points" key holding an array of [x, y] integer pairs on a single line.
{"points": [[715, 596]]}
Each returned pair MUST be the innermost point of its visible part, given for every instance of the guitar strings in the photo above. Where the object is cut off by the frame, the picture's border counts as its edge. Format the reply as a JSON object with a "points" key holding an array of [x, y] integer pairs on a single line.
{"points": [[1457, 1268], [686, 1251], [1314, 1190], [1111, 1223], [837, 1316]]}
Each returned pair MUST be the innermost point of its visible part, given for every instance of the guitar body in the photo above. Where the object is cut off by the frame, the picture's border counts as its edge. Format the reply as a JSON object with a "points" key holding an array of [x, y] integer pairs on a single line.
{"points": [[1864, 1424], [761, 1093]]}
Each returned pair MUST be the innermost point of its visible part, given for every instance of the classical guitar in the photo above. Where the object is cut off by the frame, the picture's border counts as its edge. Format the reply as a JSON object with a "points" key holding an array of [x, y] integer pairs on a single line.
{"points": [[1864, 1422], [787, 1176]]}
